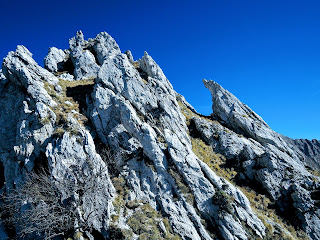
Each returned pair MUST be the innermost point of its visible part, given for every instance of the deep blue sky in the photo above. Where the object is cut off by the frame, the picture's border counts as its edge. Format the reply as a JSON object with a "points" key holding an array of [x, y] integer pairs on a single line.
{"points": [[266, 52]]}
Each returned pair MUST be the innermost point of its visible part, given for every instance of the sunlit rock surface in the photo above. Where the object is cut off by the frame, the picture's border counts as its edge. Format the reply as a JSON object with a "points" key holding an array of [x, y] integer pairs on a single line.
{"points": [[92, 97]]}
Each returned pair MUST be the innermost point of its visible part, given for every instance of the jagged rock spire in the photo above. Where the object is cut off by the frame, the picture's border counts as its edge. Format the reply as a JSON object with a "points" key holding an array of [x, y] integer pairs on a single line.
{"points": [[131, 108]]}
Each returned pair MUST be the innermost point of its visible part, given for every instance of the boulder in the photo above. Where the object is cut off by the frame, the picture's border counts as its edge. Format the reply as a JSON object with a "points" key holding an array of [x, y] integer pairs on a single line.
{"points": [[129, 56], [53, 58]]}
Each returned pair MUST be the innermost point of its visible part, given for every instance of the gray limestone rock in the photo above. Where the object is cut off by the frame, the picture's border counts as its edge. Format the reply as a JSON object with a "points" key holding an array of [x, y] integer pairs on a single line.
{"points": [[308, 150], [26, 107], [85, 53], [264, 156], [30, 76], [105, 47], [77, 41], [83, 60], [85, 65], [148, 65], [185, 103], [67, 77], [133, 110], [73, 160], [28, 141], [129, 56], [53, 58], [239, 117], [125, 107]]}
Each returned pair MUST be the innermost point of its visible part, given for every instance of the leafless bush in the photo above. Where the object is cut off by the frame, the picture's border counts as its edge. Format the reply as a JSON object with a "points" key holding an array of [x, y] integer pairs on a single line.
{"points": [[36, 207], [51, 207], [113, 160]]}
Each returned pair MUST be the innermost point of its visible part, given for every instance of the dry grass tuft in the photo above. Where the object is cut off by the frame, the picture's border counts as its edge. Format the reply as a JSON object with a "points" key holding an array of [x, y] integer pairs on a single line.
{"points": [[259, 203], [145, 221], [66, 105]]}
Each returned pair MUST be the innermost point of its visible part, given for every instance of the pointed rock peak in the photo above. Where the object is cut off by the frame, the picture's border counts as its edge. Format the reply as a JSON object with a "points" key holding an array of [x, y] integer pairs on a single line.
{"points": [[22, 53], [148, 65], [53, 58], [103, 36], [152, 69], [105, 47], [78, 40], [79, 36], [129, 56], [210, 83], [21, 69], [14, 63], [239, 117], [22, 50]]}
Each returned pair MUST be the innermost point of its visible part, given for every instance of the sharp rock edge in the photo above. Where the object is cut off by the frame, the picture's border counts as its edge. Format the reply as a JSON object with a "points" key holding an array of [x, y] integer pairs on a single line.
{"points": [[133, 109]]}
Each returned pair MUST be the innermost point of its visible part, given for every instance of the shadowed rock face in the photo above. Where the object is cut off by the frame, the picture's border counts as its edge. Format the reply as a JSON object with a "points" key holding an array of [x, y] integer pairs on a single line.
{"points": [[131, 108], [309, 151]]}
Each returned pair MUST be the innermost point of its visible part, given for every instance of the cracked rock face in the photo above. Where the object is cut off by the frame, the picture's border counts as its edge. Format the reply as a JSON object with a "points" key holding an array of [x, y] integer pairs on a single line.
{"points": [[130, 107], [28, 138], [125, 107], [54, 57], [264, 156]]}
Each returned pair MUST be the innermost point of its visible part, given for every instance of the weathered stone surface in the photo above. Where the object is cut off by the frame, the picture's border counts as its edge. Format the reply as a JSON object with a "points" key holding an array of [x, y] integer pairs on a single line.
{"points": [[264, 156], [125, 107], [105, 47], [25, 106], [129, 56], [30, 76], [54, 57], [308, 150], [73, 160], [148, 65], [27, 138], [185, 103], [85, 66], [239, 117], [84, 62], [77, 41], [134, 111]]}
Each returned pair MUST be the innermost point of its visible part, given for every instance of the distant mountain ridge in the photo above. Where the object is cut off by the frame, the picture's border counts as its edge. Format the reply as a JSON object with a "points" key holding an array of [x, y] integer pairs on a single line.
{"points": [[310, 151]]}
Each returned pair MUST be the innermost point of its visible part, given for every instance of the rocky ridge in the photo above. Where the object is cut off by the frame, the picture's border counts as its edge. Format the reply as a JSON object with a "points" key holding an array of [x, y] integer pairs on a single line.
{"points": [[91, 97]]}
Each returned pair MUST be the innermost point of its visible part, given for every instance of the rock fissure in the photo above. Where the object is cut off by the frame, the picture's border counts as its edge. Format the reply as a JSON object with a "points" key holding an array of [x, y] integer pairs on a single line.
{"points": [[174, 172]]}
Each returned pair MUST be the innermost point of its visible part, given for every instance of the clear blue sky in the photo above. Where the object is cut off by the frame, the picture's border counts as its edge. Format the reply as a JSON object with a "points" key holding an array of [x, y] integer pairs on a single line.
{"points": [[265, 52]]}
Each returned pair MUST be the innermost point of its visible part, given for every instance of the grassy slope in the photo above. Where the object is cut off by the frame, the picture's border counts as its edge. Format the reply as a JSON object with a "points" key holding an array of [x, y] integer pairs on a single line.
{"points": [[277, 227]]}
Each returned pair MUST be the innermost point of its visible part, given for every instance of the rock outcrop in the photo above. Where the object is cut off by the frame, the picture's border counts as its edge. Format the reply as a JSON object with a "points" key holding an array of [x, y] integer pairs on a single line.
{"points": [[91, 98], [32, 138], [263, 155], [308, 150], [54, 58], [141, 114], [86, 56]]}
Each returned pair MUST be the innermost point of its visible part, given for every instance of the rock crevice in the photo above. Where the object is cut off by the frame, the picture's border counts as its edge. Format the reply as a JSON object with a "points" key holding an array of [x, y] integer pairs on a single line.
{"points": [[93, 93]]}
